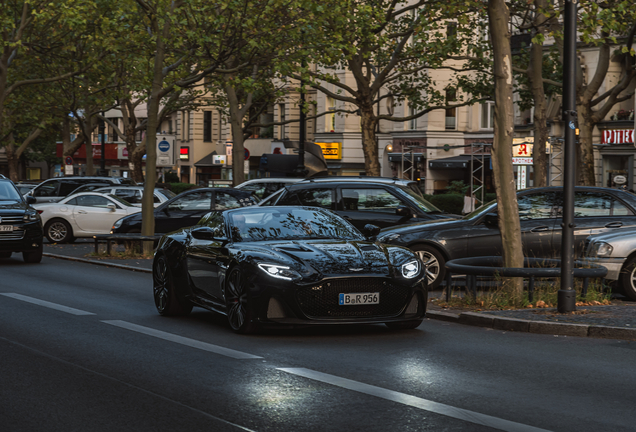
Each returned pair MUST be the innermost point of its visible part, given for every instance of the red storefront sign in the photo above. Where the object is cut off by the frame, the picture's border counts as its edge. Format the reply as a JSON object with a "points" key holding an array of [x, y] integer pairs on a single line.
{"points": [[111, 151], [618, 136]]}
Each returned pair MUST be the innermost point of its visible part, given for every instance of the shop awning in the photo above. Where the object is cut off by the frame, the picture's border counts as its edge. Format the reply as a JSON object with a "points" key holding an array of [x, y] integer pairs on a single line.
{"points": [[456, 162], [397, 157]]}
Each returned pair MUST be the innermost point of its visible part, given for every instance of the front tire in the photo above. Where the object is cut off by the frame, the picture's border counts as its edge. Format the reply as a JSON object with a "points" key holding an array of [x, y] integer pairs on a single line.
{"points": [[5, 255], [404, 325], [58, 231], [628, 278], [33, 257], [167, 300], [237, 304], [434, 263]]}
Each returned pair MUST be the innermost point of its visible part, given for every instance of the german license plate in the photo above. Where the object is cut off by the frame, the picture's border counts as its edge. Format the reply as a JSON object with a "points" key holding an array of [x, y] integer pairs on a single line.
{"points": [[6, 228], [359, 299]]}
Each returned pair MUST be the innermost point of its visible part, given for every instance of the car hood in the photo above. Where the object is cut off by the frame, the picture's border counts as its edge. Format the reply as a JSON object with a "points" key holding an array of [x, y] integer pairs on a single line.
{"points": [[330, 257], [9, 207]]}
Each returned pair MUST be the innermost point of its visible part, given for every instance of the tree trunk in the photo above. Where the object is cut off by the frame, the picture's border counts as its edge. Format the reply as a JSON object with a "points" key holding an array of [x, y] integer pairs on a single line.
{"points": [[12, 162], [369, 143], [585, 149], [535, 74], [499, 16], [238, 146]]}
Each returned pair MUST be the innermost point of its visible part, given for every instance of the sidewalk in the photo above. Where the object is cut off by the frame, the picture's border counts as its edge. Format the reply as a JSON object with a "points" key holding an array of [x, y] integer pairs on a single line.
{"points": [[615, 321], [82, 249]]}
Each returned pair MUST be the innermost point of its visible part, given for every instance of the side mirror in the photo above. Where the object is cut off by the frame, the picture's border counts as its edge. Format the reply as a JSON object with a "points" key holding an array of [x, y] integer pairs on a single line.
{"points": [[492, 219], [31, 199], [371, 231], [112, 207], [203, 233], [403, 211]]}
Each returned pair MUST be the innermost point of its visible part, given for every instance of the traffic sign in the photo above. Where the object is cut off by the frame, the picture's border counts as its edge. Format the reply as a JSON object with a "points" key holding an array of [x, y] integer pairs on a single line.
{"points": [[164, 146], [68, 160], [247, 154]]}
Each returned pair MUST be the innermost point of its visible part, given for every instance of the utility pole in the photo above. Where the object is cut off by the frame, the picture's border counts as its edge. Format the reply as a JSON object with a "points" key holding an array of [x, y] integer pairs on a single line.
{"points": [[566, 297], [102, 132]]}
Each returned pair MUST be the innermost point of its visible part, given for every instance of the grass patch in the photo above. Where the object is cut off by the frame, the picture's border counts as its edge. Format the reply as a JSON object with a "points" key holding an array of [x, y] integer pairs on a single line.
{"points": [[544, 295]]}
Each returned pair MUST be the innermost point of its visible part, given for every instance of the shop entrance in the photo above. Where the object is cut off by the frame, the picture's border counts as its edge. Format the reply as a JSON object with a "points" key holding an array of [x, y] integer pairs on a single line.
{"points": [[618, 171]]}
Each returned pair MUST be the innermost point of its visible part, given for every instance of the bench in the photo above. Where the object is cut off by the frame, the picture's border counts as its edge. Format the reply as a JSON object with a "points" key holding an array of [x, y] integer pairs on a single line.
{"points": [[128, 237]]}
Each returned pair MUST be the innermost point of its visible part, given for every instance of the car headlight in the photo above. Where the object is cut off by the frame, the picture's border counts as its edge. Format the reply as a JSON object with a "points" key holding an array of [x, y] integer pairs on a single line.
{"points": [[387, 238], [279, 271], [31, 216], [600, 249], [117, 224], [411, 269]]}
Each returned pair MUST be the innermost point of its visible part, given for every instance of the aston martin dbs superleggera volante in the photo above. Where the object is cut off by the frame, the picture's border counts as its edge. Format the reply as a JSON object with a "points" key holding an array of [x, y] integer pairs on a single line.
{"points": [[287, 266]]}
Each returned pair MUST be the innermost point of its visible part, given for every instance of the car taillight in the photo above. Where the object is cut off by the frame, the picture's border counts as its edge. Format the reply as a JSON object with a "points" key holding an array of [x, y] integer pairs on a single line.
{"points": [[40, 211]]}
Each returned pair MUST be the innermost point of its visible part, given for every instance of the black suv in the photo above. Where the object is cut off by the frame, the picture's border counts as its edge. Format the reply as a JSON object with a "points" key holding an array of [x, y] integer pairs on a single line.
{"points": [[20, 224], [380, 201]]}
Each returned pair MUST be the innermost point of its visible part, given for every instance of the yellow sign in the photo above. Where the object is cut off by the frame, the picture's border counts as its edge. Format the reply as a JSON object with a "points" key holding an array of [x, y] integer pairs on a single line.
{"points": [[331, 150], [522, 147]]}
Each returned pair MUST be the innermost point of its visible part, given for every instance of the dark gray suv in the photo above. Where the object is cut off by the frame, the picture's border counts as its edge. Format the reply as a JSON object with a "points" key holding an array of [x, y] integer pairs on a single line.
{"points": [[20, 224], [380, 201]]}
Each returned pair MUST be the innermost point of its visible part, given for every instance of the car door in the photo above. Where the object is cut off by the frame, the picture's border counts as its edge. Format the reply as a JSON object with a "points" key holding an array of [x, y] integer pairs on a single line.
{"points": [[47, 191], [537, 219], [93, 216], [594, 212], [371, 205], [205, 257], [184, 211]]}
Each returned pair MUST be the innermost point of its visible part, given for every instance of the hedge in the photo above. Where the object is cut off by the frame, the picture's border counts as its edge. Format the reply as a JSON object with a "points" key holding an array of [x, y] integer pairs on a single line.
{"points": [[177, 188]]}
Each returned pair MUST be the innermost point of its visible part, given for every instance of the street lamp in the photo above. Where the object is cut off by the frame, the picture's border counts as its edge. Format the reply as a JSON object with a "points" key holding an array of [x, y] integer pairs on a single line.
{"points": [[566, 297]]}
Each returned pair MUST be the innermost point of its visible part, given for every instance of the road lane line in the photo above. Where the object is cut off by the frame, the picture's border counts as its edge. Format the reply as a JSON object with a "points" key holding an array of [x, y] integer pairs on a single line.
{"points": [[413, 401], [47, 304], [183, 340]]}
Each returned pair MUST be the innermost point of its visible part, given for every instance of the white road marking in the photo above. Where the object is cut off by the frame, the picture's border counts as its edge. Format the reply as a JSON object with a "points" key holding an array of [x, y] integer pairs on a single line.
{"points": [[416, 402], [47, 304], [183, 340]]}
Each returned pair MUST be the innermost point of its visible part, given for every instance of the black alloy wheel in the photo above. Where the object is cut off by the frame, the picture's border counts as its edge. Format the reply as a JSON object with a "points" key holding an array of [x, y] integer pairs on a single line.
{"points": [[33, 257], [239, 314], [58, 231], [628, 278], [167, 300], [434, 264]]}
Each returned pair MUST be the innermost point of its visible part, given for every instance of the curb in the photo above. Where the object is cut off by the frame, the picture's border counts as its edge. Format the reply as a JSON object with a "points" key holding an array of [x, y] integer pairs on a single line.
{"points": [[102, 263], [538, 327]]}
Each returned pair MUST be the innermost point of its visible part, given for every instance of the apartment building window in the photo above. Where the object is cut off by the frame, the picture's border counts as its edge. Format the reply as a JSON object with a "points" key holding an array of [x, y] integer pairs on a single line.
{"points": [[207, 126], [330, 119], [488, 115], [412, 124], [451, 113], [451, 30], [185, 125]]}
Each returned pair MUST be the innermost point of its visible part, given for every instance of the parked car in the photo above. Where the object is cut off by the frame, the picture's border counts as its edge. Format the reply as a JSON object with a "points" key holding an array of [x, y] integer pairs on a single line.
{"points": [[20, 224], [133, 194], [88, 188], [616, 251], [186, 209], [23, 188], [264, 187], [287, 265], [596, 210], [363, 200], [82, 215], [53, 190]]}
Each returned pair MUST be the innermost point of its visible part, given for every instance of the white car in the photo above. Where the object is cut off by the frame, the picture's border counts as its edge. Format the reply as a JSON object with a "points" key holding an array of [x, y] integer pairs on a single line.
{"points": [[82, 215], [133, 194]]}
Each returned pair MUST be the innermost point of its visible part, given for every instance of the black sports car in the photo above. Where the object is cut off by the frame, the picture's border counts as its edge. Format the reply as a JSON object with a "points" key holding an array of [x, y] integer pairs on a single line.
{"points": [[287, 265]]}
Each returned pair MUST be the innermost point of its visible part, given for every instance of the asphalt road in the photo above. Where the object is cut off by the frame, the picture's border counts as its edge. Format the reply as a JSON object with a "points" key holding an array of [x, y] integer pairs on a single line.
{"points": [[82, 348]]}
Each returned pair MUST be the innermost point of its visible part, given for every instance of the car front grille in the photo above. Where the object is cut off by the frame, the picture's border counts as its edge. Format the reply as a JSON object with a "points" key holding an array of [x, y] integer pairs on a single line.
{"points": [[15, 235], [321, 301], [11, 219]]}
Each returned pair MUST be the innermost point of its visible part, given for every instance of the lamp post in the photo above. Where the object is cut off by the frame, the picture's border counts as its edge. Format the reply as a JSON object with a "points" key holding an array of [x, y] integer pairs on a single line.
{"points": [[566, 297]]}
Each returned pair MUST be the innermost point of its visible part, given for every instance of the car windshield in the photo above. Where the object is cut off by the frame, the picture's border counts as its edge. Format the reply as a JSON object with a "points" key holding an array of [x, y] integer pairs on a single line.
{"points": [[421, 203], [8, 192], [120, 201], [288, 223]]}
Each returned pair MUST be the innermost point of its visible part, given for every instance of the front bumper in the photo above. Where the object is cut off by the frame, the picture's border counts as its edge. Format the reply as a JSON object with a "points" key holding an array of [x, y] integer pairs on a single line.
{"points": [[293, 304], [26, 237], [613, 266]]}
